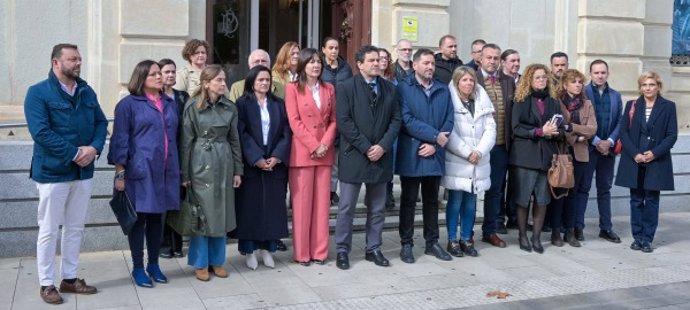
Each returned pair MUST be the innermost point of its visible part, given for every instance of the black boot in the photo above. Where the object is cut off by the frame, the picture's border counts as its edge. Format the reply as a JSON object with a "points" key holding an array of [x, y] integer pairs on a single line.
{"points": [[571, 239], [556, 237], [538, 214], [522, 228]]}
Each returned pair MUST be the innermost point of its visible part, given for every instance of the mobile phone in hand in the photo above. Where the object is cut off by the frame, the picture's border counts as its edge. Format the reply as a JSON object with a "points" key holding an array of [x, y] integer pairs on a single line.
{"points": [[557, 120]]}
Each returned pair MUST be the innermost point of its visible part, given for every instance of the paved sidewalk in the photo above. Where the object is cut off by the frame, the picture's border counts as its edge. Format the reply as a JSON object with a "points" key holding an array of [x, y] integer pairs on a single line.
{"points": [[597, 274]]}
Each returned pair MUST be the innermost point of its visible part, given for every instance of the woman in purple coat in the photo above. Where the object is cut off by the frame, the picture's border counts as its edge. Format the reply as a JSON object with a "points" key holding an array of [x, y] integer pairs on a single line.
{"points": [[143, 148]]}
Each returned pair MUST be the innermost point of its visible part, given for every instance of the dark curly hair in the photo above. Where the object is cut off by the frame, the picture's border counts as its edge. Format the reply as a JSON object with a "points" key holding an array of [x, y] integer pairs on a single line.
{"points": [[191, 46]]}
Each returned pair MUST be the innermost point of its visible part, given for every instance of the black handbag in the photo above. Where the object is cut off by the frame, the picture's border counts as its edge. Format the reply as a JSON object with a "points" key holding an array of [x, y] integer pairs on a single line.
{"points": [[190, 219], [124, 210]]}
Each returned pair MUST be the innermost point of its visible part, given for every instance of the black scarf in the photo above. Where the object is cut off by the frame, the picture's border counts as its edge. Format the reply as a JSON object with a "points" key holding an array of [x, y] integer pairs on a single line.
{"points": [[540, 94]]}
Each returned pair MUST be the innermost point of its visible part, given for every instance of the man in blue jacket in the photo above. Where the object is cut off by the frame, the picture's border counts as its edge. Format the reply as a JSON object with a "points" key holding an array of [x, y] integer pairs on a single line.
{"points": [[608, 107], [68, 128], [427, 117]]}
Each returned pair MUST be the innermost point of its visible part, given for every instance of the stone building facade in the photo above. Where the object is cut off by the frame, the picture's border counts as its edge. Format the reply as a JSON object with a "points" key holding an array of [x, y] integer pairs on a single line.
{"points": [[632, 35], [113, 35]]}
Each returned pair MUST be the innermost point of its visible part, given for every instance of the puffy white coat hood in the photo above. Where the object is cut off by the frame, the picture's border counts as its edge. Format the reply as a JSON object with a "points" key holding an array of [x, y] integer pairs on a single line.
{"points": [[470, 134]]}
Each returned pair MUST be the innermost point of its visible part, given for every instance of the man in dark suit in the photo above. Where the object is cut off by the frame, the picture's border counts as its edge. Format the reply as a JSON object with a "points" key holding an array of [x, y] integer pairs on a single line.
{"points": [[500, 89], [368, 120], [608, 107], [447, 59]]}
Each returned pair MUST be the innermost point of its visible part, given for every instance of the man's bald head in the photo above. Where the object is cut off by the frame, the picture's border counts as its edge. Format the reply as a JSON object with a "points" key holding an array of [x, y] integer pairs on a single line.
{"points": [[259, 57]]}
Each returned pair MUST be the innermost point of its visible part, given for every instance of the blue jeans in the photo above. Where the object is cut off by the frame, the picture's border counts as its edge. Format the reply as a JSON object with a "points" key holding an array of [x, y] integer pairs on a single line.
{"points": [[603, 165], [464, 205], [493, 198], [644, 214], [205, 251]]}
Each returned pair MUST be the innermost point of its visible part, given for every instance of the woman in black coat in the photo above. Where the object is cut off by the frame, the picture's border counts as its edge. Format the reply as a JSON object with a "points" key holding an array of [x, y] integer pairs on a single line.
{"points": [[645, 165], [265, 138], [171, 244], [535, 139]]}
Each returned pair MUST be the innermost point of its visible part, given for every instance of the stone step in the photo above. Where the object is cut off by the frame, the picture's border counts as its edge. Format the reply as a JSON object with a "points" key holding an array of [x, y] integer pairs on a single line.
{"points": [[18, 200]]}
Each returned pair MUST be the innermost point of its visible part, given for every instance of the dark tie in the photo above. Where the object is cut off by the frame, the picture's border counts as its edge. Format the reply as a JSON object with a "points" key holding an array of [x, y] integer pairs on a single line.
{"points": [[373, 95], [493, 80]]}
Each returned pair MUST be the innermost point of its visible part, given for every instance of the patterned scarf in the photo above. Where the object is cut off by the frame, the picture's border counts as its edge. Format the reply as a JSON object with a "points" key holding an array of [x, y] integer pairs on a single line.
{"points": [[573, 104]]}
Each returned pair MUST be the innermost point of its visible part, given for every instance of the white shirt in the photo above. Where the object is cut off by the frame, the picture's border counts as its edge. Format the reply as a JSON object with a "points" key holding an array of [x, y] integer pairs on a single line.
{"points": [[293, 76], [315, 94], [265, 120], [67, 90]]}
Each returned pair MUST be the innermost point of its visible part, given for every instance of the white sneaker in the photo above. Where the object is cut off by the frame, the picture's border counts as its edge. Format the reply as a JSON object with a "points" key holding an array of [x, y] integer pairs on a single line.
{"points": [[252, 263], [268, 259]]}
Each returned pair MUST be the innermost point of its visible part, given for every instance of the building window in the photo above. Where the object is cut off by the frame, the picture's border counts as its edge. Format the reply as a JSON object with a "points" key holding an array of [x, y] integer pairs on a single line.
{"points": [[680, 53]]}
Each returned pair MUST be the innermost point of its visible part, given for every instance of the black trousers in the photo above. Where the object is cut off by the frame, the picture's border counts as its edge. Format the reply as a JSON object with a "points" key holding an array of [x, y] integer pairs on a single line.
{"points": [[148, 227], [408, 201], [172, 241]]}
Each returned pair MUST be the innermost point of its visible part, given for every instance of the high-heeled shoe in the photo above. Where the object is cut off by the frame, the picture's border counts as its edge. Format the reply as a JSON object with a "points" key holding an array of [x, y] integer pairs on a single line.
{"points": [[524, 243], [536, 245], [156, 274], [267, 258], [140, 278], [252, 262]]}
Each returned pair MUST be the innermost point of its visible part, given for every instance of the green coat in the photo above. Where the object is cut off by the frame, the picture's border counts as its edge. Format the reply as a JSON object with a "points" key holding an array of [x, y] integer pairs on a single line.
{"points": [[210, 156]]}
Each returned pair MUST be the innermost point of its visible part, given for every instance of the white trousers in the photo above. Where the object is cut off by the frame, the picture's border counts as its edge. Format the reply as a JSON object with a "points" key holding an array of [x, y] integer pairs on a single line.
{"points": [[65, 204]]}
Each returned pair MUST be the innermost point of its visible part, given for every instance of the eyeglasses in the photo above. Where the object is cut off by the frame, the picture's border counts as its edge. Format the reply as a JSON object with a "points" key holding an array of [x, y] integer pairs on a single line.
{"points": [[476, 52], [383, 58], [405, 49]]}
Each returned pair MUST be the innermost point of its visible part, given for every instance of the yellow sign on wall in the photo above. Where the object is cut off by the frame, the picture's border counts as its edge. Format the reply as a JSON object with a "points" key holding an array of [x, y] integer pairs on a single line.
{"points": [[410, 27]]}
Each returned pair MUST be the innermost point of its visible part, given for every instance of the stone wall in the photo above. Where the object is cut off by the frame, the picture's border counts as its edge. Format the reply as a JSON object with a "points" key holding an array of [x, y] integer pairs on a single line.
{"points": [[19, 200], [112, 37], [631, 35]]}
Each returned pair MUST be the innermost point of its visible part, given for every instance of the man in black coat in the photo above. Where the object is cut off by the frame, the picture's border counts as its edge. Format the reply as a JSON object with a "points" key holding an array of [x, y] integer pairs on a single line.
{"points": [[447, 60], [368, 121]]}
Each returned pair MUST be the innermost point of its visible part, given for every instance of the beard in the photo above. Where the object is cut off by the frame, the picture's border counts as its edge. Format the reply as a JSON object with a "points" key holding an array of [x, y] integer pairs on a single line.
{"points": [[72, 73]]}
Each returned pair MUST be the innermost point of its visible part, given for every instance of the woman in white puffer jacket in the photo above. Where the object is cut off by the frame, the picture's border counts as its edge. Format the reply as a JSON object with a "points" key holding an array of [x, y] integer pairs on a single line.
{"points": [[467, 157]]}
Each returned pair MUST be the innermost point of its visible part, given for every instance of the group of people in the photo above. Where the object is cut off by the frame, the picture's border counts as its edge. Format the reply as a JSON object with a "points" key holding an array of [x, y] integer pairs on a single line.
{"points": [[183, 139]]}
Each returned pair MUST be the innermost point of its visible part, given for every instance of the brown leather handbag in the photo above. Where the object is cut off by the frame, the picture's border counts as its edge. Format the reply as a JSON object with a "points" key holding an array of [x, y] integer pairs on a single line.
{"points": [[561, 174]]}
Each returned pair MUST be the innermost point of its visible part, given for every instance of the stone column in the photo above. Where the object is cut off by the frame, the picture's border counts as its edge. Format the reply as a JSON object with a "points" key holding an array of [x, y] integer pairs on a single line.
{"points": [[613, 31]]}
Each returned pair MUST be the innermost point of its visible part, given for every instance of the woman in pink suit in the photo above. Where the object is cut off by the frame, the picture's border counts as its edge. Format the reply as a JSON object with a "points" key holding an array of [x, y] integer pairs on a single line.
{"points": [[310, 107]]}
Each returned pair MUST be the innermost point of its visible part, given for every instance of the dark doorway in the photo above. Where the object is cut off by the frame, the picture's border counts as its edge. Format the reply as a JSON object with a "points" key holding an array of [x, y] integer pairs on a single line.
{"points": [[231, 35]]}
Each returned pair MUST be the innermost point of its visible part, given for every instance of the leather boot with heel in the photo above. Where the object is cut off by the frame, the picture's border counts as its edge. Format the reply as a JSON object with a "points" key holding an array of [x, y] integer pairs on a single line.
{"points": [[556, 238], [571, 239]]}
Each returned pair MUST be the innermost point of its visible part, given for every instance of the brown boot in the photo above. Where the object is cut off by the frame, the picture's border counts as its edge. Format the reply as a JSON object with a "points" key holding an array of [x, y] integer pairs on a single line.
{"points": [[220, 271], [556, 237], [202, 274], [570, 238], [51, 295]]}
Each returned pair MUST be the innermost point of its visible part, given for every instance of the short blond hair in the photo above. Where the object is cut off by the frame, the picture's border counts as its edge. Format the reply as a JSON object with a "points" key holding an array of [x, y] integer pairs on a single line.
{"points": [[649, 75]]}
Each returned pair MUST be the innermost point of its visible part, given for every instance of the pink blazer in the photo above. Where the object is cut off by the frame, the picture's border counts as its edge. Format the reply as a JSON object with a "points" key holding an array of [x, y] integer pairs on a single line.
{"points": [[310, 125]]}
